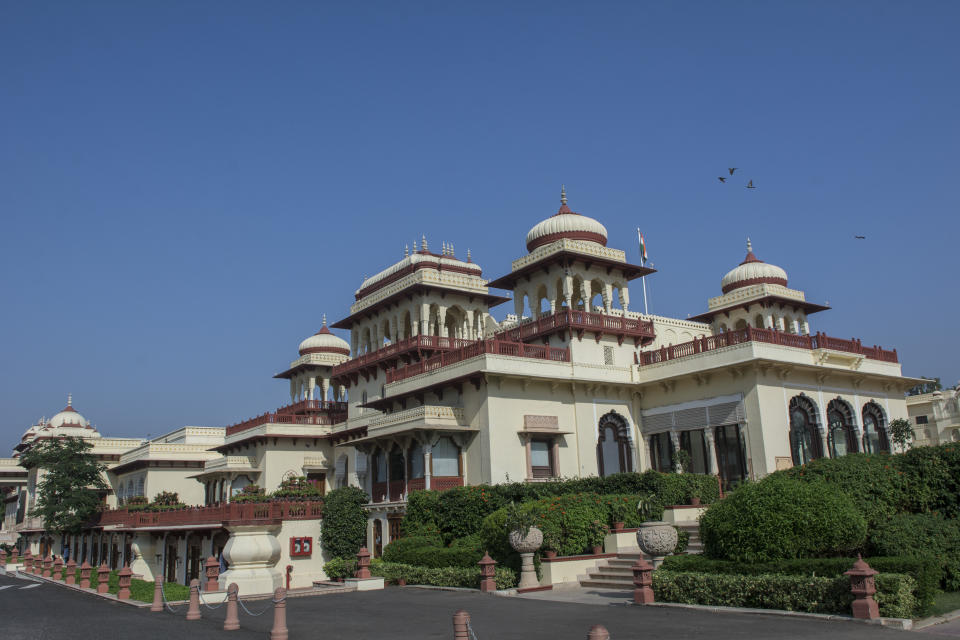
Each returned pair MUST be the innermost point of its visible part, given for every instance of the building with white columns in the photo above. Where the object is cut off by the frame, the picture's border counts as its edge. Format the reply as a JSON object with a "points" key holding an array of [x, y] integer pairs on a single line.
{"points": [[437, 388]]}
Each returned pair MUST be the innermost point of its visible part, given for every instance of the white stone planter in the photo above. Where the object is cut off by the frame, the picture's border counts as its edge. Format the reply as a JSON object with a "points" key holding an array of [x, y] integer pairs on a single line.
{"points": [[528, 544], [657, 539]]}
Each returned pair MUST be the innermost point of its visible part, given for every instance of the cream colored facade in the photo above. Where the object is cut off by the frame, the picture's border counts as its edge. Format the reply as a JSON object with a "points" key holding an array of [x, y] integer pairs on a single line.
{"points": [[935, 416], [431, 391]]}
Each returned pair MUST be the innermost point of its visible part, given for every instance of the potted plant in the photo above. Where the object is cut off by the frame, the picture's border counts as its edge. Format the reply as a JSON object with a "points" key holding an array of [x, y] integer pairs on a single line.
{"points": [[524, 537], [695, 496], [597, 531], [617, 508], [551, 543]]}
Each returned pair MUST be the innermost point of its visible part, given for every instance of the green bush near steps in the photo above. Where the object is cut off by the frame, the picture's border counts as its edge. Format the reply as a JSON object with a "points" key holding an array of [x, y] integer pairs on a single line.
{"points": [[341, 568], [925, 571], [785, 592]]}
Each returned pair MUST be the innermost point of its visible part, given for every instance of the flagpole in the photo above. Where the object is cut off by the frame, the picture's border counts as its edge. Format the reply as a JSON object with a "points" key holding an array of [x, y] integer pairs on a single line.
{"points": [[643, 278]]}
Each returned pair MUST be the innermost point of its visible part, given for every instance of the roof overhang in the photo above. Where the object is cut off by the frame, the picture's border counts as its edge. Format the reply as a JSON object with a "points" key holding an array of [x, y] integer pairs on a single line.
{"points": [[420, 287], [565, 258], [807, 307]]}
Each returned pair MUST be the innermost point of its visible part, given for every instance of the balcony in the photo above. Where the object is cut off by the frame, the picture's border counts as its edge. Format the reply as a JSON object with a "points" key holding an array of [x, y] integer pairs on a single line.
{"points": [[320, 419], [408, 347], [232, 513], [768, 336], [480, 347], [427, 415], [313, 406], [396, 491], [641, 331]]}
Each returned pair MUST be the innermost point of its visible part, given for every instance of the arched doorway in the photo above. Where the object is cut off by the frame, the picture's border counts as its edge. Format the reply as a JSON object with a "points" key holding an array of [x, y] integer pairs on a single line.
{"points": [[613, 445], [841, 433], [805, 442], [874, 429], [377, 538]]}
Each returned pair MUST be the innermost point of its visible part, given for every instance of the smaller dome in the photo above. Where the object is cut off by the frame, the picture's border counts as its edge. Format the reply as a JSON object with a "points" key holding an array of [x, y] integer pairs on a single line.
{"points": [[324, 341], [752, 271], [68, 417], [566, 224]]}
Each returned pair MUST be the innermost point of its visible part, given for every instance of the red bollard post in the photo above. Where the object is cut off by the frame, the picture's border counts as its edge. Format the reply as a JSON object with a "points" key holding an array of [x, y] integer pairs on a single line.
{"points": [[643, 582], [157, 604], [124, 576], [103, 578], [212, 568], [85, 570], [47, 566], [598, 632], [3, 558], [57, 569], [488, 566], [232, 621], [363, 564], [461, 625], [279, 630], [193, 612], [13, 556], [71, 571], [862, 584], [28, 562]]}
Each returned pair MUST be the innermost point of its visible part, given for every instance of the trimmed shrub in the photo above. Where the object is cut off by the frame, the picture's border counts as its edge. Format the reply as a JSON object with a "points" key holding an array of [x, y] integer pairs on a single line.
{"points": [[340, 568], [925, 535], [344, 528], [568, 521], [427, 552], [778, 591], [925, 571], [780, 517]]}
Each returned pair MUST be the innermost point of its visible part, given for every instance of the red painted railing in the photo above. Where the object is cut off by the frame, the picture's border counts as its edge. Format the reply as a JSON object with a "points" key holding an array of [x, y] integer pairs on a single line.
{"points": [[313, 405], [579, 320], [243, 512], [493, 347], [323, 419], [429, 343], [770, 336], [437, 483]]}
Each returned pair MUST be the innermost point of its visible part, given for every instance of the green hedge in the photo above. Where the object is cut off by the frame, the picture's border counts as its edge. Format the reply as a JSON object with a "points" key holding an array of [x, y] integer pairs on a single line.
{"points": [[344, 527], [925, 571], [461, 511], [780, 517], [340, 568], [426, 551], [778, 591], [924, 535]]}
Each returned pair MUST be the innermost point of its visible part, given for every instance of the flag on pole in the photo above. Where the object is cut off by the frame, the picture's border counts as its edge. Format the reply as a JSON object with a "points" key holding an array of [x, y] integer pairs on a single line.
{"points": [[643, 246]]}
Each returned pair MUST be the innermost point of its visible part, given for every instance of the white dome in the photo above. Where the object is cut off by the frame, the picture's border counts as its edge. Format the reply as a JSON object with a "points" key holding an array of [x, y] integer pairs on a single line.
{"points": [[752, 271], [566, 224], [324, 341]]}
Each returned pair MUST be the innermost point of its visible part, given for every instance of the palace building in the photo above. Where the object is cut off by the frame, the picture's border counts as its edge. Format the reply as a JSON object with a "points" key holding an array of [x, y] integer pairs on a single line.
{"points": [[438, 388]]}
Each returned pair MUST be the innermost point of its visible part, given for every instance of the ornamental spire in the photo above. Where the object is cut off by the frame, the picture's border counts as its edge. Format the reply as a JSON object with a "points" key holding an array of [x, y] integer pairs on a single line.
{"points": [[563, 194], [69, 399], [749, 246], [406, 250], [423, 243], [324, 319]]}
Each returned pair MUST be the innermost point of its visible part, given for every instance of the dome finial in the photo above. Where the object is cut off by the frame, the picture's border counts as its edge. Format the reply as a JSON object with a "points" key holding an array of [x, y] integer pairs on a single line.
{"points": [[423, 243], [324, 319], [563, 194], [69, 399], [749, 246]]}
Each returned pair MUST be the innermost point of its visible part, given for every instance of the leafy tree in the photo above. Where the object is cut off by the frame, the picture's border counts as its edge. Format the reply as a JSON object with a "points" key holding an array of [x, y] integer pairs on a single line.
{"points": [[67, 495], [931, 385], [901, 432], [344, 528]]}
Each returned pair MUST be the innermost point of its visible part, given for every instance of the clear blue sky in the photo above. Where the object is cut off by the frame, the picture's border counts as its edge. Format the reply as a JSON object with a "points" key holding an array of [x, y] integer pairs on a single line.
{"points": [[185, 187]]}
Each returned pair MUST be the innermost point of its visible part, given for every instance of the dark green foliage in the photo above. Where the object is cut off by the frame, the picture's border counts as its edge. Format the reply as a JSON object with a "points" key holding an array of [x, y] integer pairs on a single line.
{"points": [[567, 521], [683, 540], [428, 552], [778, 591], [932, 476], [901, 432], [931, 385], [344, 528], [925, 571], [461, 511], [340, 568], [67, 496], [780, 517], [923, 535]]}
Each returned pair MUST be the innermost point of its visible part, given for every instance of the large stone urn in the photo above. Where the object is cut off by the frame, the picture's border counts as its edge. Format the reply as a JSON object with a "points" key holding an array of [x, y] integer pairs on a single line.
{"points": [[526, 546], [657, 539]]}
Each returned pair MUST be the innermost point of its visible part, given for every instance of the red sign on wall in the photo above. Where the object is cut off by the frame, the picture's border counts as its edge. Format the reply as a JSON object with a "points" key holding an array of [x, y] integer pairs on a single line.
{"points": [[301, 547]]}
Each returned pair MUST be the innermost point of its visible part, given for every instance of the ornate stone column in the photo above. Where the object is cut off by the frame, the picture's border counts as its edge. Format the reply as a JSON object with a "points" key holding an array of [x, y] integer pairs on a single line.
{"points": [[251, 554]]}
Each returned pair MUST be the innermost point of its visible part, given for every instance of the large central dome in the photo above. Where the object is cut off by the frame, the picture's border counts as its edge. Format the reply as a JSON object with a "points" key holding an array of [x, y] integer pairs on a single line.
{"points": [[566, 224]]}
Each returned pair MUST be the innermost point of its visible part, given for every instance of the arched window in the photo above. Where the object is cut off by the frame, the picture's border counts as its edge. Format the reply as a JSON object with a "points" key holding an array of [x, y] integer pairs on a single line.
{"points": [[741, 324], [874, 429], [396, 465], [841, 433], [613, 445], [804, 431], [758, 321], [445, 458]]}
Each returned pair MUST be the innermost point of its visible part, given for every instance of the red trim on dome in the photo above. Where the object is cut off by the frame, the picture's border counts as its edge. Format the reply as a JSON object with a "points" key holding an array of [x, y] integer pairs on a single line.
{"points": [[750, 258], [589, 236], [323, 331], [339, 350], [751, 281], [564, 209]]}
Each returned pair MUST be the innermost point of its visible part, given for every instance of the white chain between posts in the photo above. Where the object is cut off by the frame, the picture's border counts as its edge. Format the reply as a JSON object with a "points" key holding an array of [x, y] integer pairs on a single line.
{"points": [[207, 604], [163, 595], [473, 634], [275, 602]]}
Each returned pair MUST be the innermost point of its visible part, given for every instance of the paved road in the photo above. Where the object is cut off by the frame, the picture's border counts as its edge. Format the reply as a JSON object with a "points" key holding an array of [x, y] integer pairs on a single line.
{"points": [[52, 612]]}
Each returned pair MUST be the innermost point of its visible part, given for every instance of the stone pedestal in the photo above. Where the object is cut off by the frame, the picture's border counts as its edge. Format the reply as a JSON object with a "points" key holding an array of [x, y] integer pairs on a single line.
{"points": [[526, 546], [251, 554], [528, 573], [365, 584]]}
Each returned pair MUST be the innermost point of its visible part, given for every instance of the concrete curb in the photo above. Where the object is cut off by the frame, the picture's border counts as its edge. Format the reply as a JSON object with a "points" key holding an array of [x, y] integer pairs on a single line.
{"points": [[904, 624], [923, 623]]}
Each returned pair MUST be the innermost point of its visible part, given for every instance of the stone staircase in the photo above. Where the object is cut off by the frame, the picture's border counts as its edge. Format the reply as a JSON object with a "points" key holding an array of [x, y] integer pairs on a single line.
{"points": [[617, 573]]}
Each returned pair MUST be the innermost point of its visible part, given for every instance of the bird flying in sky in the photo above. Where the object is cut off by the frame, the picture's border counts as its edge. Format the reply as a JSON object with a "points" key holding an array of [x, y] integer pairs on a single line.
{"points": [[860, 237], [731, 170], [750, 185], [721, 179]]}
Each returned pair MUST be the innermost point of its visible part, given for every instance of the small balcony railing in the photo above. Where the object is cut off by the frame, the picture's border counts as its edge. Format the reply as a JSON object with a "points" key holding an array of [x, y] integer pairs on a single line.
{"points": [[398, 348], [320, 419], [492, 347], [640, 330], [241, 513], [314, 405], [397, 489]]}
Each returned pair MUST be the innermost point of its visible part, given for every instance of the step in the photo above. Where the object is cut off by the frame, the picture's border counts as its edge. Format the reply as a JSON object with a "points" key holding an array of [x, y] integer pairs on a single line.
{"points": [[611, 572], [605, 584]]}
